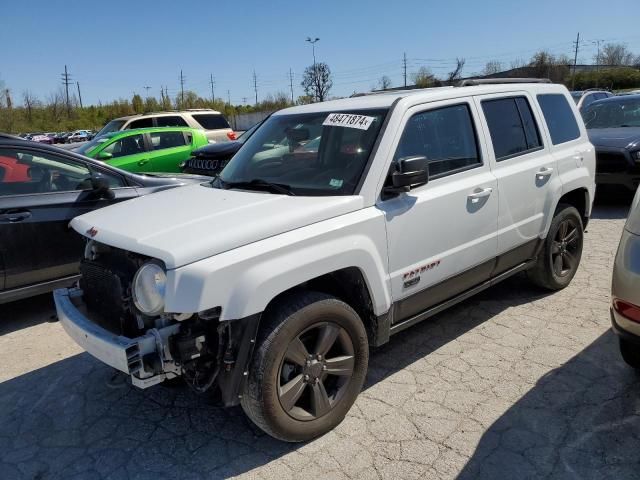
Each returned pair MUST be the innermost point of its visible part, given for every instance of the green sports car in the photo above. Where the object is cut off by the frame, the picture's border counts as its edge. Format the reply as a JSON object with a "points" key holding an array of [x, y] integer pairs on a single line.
{"points": [[159, 149]]}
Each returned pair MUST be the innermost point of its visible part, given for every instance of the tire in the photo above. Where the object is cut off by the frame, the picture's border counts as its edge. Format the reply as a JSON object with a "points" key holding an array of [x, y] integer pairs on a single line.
{"points": [[560, 256], [284, 392], [630, 353]]}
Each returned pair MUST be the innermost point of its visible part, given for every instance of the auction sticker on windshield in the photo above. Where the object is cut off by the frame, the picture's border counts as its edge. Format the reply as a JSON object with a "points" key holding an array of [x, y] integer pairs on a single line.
{"points": [[348, 120]]}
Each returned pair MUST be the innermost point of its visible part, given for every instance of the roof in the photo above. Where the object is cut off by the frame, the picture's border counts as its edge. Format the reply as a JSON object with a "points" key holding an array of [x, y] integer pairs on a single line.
{"points": [[134, 131], [169, 112], [424, 95]]}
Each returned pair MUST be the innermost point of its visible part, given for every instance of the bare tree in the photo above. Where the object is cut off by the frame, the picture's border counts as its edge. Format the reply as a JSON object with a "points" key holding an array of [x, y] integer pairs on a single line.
{"points": [[384, 83], [492, 67], [614, 54], [423, 78], [30, 101], [457, 72], [316, 81], [517, 63]]}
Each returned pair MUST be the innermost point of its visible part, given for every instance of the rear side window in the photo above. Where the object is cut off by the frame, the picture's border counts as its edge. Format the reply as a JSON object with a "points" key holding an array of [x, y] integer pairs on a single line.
{"points": [[446, 136], [161, 140], [512, 127], [171, 121], [142, 123], [211, 121], [559, 117]]}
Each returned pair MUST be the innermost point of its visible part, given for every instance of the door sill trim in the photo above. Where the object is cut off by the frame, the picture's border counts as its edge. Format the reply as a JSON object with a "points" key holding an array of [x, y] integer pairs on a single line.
{"points": [[36, 289]]}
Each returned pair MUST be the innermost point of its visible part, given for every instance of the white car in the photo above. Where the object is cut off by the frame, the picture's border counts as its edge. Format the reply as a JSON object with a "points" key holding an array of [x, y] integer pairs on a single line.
{"points": [[271, 282]]}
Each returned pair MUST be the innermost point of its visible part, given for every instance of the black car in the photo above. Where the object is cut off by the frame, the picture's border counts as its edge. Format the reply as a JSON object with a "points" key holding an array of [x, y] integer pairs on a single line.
{"points": [[212, 158], [613, 125], [41, 189]]}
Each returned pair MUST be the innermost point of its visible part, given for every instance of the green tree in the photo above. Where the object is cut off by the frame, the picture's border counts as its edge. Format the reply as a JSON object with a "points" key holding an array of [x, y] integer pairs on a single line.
{"points": [[137, 103]]}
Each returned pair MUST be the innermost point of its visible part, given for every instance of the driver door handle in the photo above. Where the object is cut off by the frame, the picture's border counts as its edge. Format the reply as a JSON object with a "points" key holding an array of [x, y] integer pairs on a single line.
{"points": [[13, 217], [477, 194]]}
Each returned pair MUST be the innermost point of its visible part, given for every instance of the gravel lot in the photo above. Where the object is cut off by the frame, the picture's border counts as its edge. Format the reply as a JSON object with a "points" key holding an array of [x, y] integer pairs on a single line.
{"points": [[514, 383]]}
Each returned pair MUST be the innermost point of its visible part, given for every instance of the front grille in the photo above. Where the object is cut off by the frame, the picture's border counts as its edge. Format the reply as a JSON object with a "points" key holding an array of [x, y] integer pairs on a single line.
{"points": [[106, 285], [612, 163]]}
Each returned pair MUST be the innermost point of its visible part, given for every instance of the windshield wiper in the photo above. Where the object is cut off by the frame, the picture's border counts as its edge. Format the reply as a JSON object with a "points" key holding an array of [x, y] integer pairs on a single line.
{"points": [[259, 184]]}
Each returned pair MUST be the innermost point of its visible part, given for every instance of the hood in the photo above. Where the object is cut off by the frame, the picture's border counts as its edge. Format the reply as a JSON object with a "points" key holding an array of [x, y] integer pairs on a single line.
{"points": [[623, 137], [216, 150], [184, 225]]}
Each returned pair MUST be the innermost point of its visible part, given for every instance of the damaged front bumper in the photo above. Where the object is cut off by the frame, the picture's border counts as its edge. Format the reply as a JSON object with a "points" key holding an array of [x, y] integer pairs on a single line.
{"points": [[122, 353]]}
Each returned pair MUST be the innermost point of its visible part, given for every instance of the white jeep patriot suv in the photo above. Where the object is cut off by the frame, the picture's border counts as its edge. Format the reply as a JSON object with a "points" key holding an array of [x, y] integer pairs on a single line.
{"points": [[335, 226]]}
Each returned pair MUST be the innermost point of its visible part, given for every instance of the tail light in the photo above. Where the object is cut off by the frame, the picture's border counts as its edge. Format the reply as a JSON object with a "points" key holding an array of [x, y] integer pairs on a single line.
{"points": [[232, 135], [627, 310]]}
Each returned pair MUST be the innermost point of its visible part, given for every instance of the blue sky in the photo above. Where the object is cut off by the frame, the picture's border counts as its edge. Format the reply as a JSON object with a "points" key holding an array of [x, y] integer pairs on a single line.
{"points": [[114, 48]]}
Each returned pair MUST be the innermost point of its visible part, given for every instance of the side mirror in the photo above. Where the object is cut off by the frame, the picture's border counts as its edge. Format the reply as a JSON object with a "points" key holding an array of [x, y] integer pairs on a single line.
{"points": [[411, 172], [100, 188], [105, 156]]}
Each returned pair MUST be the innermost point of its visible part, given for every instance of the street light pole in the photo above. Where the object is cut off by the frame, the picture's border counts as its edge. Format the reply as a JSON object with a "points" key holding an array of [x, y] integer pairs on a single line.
{"points": [[315, 71]]}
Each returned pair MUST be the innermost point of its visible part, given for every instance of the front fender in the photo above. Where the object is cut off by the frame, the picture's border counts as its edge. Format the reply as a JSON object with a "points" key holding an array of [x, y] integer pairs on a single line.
{"points": [[243, 281]]}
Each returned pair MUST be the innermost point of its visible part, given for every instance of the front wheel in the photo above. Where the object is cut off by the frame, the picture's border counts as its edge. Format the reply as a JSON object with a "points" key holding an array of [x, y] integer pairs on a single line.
{"points": [[310, 365], [562, 250]]}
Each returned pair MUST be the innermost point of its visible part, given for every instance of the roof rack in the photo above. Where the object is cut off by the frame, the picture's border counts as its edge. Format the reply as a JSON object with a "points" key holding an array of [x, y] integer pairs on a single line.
{"points": [[493, 81]]}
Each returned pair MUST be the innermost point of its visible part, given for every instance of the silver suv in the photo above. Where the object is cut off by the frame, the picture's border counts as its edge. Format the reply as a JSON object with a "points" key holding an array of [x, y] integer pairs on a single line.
{"points": [[215, 126]]}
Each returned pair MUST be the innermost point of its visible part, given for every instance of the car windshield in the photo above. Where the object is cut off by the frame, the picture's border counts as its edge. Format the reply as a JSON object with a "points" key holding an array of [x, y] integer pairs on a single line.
{"points": [[87, 147], [112, 126], [320, 153], [613, 114]]}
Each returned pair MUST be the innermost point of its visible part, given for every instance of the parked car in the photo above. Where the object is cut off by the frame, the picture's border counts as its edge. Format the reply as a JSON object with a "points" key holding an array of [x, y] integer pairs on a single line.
{"points": [[60, 137], [614, 129], [146, 149], [584, 98], [78, 136], [212, 158], [43, 138], [271, 281], [625, 288], [41, 189], [216, 127]]}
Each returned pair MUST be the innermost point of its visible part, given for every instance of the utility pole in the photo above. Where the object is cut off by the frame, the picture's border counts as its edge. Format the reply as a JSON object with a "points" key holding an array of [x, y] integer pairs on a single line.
{"points": [[212, 82], [66, 81], [255, 86], [7, 96], [229, 97], [244, 100], [404, 66], [575, 61], [79, 94], [162, 95], [147, 89], [182, 89], [291, 83]]}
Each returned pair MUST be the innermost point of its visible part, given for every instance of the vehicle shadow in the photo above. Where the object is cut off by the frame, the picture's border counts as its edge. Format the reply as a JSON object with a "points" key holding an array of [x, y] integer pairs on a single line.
{"points": [[26, 313], [580, 421], [70, 418], [611, 204]]}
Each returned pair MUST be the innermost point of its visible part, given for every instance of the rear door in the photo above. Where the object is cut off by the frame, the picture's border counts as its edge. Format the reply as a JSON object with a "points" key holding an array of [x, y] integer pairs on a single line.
{"points": [[526, 171], [168, 149], [442, 235], [37, 244]]}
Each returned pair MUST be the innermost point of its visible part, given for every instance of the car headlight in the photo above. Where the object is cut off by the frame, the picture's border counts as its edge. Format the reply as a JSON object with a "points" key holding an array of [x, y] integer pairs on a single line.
{"points": [[148, 291]]}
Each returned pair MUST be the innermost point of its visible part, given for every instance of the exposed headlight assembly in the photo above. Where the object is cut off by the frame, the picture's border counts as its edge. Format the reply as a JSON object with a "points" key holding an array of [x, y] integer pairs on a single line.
{"points": [[148, 290]]}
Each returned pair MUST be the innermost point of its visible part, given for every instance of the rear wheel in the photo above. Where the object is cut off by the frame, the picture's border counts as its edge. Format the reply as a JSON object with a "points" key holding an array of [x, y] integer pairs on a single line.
{"points": [[308, 369], [630, 353], [562, 250]]}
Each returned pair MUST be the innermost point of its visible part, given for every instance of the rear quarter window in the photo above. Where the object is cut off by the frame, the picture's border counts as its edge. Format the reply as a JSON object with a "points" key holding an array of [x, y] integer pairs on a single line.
{"points": [[560, 118], [211, 121]]}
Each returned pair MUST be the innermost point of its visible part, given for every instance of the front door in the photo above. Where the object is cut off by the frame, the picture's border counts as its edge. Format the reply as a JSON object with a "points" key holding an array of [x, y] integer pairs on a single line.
{"points": [[37, 244], [442, 235]]}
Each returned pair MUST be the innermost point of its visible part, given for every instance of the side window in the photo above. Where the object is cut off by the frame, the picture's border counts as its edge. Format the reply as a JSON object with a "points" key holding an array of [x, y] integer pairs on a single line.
{"points": [[512, 127], [559, 117], [114, 181], [27, 172], [211, 121], [171, 121], [162, 140], [130, 145], [588, 100], [142, 123], [446, 136]]}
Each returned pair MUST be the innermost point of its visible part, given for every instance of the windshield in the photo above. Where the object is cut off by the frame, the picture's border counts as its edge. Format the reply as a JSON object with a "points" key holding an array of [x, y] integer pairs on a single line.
{"points": [[613, 114], [87, 147], [112, 126], [320, 153]]}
